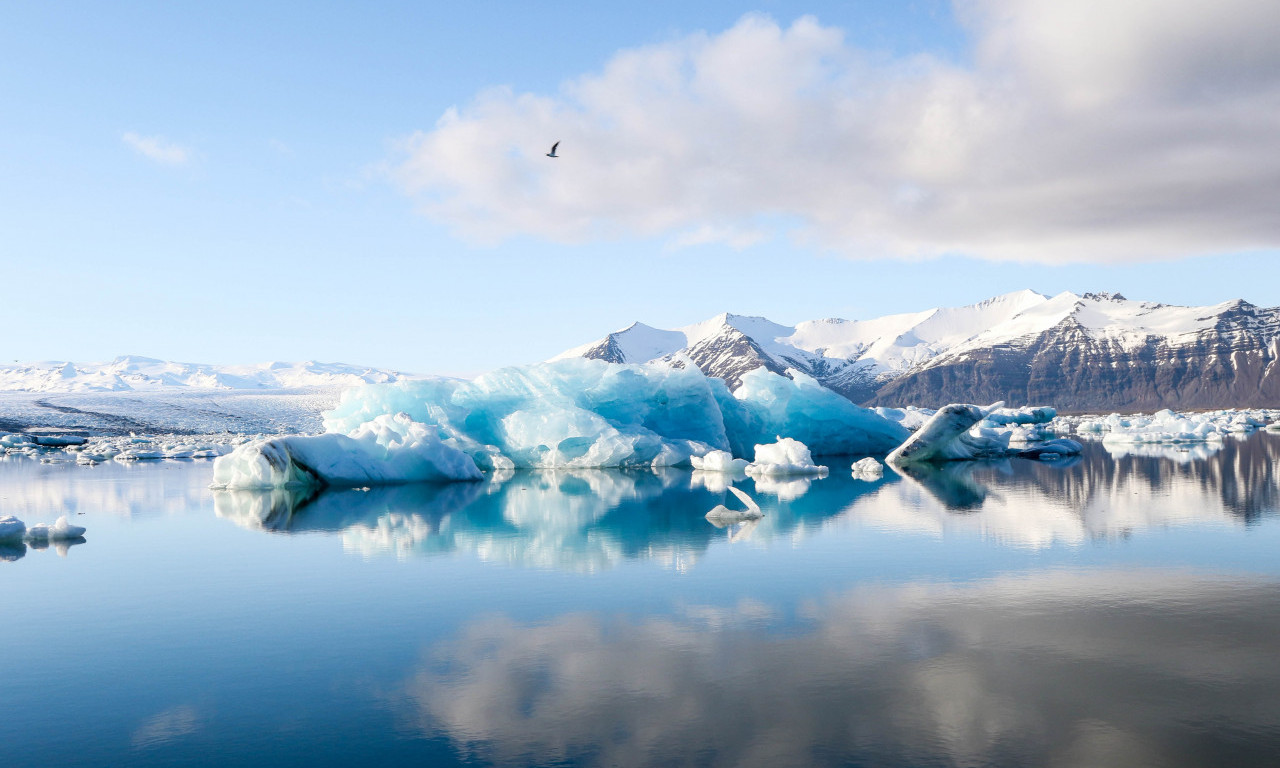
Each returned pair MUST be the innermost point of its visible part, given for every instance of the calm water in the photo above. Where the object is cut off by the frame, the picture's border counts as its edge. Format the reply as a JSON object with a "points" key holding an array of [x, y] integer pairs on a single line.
{"points": [[1116, 610]]}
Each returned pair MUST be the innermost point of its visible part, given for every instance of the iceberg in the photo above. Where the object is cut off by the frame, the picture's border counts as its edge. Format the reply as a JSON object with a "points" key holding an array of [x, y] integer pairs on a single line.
{"points": [[383, 451], [582, 414], [785, 457], [867, 469], [719, 461], [946, 437], [62, 530]]}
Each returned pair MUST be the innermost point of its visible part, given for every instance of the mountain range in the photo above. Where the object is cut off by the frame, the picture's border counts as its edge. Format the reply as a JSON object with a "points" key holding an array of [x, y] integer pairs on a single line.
{"points": [[133, 373], [1089, 352]]}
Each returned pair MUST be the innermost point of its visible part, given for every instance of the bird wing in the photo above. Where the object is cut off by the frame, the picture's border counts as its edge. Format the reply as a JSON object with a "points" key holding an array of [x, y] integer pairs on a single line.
{"points": [[553, 147]]}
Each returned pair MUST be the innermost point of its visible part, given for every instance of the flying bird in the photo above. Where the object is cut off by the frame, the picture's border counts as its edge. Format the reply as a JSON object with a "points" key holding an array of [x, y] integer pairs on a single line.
{"points": [[552, 153]]}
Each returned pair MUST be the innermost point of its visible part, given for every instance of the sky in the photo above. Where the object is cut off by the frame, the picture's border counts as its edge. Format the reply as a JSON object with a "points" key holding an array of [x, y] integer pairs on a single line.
{"points": [[366, 183]]}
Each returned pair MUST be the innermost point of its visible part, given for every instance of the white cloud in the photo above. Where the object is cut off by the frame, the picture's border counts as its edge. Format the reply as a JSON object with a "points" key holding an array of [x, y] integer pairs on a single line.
{"points": [[1083, 131], [157, 148]]}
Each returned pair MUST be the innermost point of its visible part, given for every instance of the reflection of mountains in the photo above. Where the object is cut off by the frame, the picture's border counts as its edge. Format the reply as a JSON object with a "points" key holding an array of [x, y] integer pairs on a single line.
{"points": [[1030, 503], [1057, 668], [582, 520]]}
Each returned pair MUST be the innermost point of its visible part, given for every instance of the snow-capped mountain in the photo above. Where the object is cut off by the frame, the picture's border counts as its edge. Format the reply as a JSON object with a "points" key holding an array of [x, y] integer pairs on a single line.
{"points": [[1081, 352], [144, 373]]}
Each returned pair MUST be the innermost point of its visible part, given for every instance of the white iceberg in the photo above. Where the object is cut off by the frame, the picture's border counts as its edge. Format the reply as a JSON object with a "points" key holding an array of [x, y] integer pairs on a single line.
{"points": [[719, 461], [720, 513], [62, 530], [785, 457], [386, 450], [867, 469]]}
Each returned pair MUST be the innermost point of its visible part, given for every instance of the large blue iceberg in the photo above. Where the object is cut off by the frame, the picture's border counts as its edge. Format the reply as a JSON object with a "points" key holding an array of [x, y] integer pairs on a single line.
{"points": [[572, 413]]}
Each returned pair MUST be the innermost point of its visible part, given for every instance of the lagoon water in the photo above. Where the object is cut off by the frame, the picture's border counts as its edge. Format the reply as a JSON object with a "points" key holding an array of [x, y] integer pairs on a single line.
{"points": [[1113, 610]]}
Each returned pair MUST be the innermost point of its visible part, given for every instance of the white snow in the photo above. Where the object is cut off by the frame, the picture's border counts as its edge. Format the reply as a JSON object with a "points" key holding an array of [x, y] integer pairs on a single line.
{"points": [[887, 346]]}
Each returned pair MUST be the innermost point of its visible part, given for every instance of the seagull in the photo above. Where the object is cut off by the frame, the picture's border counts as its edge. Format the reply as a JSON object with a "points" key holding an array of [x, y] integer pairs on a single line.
{"points": [[552, 153]]}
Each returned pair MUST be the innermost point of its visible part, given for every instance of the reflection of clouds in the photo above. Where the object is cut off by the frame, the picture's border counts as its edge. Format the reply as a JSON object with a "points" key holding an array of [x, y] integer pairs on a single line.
{"points": [[174, 723], [1057, 668], [37, 492]]}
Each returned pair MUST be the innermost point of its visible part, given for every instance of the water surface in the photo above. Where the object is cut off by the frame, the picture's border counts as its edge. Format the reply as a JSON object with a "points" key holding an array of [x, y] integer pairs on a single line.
{"points": [[1111, 610]]}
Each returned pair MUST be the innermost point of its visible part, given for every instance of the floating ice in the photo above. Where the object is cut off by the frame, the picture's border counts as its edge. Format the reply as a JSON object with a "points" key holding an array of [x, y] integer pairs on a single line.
{"points": [[578, 413], [719, 461], [62, 530], [1028, 415], [1052, 449], [946, 437], [785, 457], [386, 450], [721, 513], [12, 529], [867, 469], [1172, 427]]}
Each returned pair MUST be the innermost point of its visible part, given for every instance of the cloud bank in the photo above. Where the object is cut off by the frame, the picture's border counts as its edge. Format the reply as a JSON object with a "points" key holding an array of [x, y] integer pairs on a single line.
{"points": [[1086, 131]]}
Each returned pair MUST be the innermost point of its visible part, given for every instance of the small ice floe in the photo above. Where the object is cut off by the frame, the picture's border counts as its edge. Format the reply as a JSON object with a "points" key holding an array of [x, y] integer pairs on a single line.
{"points": [[722, 514], [59, 441], [785, 457], [12, 529], [62, 530], [867, 469], [719, 461], [1052, 450]]}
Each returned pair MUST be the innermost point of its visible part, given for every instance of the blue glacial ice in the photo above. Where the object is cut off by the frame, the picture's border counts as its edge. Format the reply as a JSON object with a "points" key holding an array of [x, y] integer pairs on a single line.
{"points": [[573, 413]]}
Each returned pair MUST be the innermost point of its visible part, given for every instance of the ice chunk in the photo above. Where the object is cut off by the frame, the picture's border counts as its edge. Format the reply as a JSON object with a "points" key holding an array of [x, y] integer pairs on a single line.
{"points": [[1052, 449], [1040, 415], [720, 513], [719, 461], [387, 450], [62, 530], [910, 417], [946, 437], [867, 469], [785, 457], [12, 529]]}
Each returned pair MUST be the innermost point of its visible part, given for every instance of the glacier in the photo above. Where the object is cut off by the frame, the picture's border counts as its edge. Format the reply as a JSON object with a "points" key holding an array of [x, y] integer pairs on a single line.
{"points": [[960, 432], [565, 414]]}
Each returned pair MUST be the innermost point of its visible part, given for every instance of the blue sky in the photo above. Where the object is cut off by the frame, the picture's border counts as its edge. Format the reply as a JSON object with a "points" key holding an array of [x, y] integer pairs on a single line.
{"points": [[241, 182]]}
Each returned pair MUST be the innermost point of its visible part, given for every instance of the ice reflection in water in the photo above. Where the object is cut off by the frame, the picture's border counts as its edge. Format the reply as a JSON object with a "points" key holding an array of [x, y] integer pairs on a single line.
{"points": [[1107, 668], [588, 520]]}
